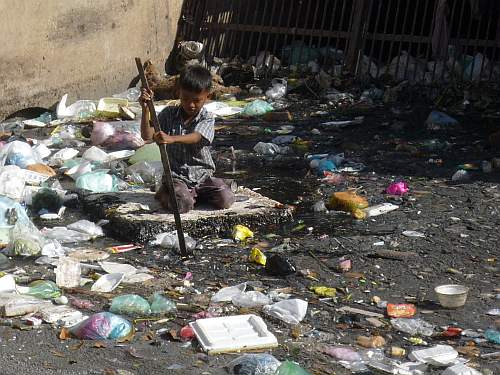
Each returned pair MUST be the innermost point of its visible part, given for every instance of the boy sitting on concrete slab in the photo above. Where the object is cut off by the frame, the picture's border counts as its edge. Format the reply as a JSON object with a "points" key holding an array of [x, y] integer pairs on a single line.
{"points": [[188, 131]]}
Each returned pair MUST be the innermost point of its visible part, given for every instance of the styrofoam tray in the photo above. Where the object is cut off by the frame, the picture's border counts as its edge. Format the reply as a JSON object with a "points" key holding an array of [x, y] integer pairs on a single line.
{"points": [[233, 333]]}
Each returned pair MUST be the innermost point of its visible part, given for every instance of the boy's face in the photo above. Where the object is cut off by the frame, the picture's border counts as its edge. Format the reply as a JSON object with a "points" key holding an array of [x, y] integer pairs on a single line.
{"points": [[193, 102]]}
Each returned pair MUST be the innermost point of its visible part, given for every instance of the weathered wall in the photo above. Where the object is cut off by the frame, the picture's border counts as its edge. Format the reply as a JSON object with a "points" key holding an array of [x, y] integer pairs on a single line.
{"points": [[82, 47]]}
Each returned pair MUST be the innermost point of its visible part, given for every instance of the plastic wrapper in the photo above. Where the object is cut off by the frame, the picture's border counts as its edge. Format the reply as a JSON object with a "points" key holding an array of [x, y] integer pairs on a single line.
{"points": [[98, 182], [343, 354], [123, 135], [291, 311], [161, 305], [413, 326], [79, 109], [87, 227], [290, 368], [63, 155], [102, 326], [254, 364], [43, 289], [250, 299], [130, 305], [170, 240], [257, 108]]}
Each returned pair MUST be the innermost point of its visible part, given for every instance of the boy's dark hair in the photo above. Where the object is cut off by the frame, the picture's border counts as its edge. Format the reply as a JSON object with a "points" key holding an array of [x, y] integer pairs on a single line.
{"points": [[196, 78]]}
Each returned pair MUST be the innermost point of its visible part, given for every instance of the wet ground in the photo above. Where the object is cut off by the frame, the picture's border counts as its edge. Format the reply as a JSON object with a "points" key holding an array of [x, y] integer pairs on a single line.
{"points": [[461, 246]]}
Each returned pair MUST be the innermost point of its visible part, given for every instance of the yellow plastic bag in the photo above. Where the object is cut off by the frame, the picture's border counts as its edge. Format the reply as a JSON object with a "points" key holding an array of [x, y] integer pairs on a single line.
{"points": [[257, 256], [324, 291], [241, 233]]}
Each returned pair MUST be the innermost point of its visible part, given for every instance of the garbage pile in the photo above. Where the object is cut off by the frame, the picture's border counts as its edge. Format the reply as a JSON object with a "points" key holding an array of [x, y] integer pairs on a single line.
{"points": [[253, 289]]}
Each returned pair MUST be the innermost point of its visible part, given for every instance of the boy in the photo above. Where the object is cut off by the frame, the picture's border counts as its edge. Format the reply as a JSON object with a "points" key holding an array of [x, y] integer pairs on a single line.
{"points": [[188, 131]]}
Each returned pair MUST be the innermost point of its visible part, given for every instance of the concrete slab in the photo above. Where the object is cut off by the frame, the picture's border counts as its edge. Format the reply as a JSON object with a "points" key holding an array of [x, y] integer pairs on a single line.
{"points": [[135, 216]]}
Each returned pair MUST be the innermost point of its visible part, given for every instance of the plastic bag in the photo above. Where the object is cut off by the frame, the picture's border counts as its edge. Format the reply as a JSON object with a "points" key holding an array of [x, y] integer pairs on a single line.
{"points": [[87, 227], [257, 108], [291, 311], [290, 368], [278, 265], [63, 155], [170, 240], [148, 152], [131, 305], [81, 108], [25, 240], [102, 326], [123, 135], [65, 235], [132, 94], [227, 294], [254, 364], [267, 149], [278, 89], [161, 305], [95, 154], [18, 153], [97, 182], [12, 182], [147, 171], [397, 188], [250, 299], [47, 199], [241, 233], [44, 289], [343, 354]]}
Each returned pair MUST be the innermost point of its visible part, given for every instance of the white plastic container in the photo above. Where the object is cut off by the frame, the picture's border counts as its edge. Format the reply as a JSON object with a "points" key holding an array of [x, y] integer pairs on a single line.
{"points": [[439, 355], [452, 296], [233, 333]]}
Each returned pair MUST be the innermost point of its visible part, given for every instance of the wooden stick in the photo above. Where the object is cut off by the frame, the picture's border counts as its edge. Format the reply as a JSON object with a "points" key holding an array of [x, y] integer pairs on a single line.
{"points": [[167, 172]]}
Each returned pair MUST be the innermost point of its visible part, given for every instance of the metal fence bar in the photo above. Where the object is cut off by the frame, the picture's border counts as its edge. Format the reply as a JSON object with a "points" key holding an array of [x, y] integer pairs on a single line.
{"points": [[372, 30]]}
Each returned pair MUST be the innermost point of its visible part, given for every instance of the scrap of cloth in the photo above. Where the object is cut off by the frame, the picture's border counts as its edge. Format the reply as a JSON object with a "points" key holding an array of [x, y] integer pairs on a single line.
{"points": [[441, 30], [192, 164]]}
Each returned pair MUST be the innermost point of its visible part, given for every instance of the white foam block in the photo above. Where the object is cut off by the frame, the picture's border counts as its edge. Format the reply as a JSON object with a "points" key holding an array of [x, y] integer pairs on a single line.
{"points": [[233, 333]]}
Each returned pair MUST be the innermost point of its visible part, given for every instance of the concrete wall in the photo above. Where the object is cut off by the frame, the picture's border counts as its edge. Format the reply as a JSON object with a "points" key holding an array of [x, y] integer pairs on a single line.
{"points": [[82, 47]]}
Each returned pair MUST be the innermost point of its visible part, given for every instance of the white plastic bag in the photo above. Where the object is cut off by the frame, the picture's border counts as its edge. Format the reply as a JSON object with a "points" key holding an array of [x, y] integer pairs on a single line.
{"points": [[95, 154], [291, 311], [81, 108], [87, 227], [12, 182], [18, 153], [227, 294], [250, 299]]}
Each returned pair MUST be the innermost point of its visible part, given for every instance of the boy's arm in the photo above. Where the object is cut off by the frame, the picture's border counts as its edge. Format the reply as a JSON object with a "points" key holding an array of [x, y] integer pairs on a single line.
{"points": [[203, 134]]}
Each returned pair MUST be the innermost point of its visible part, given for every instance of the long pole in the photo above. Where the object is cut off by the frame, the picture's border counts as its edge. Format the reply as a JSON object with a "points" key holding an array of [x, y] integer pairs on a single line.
{"points": [[167, 172]]}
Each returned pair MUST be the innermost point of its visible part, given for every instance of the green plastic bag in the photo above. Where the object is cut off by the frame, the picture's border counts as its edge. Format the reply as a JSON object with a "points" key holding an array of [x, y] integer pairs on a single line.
{"points": [[257, 108], [149, 152], [97, 182], [161, 305], [44, 289], [290, 368], [130, 305]]}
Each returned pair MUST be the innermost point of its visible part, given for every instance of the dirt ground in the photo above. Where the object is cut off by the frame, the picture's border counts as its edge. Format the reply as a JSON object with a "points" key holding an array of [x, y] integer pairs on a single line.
{"points": [[461, 246]]}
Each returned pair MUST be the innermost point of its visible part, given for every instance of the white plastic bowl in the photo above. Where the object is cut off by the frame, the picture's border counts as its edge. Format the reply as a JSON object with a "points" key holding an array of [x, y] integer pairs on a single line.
{"points": [[451, 296]]}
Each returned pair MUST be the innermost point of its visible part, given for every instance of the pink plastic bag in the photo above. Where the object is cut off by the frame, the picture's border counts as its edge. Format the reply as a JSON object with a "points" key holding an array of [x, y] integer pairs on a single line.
{"points": [[118, 135], [397, 188], [343, 354]]}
